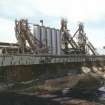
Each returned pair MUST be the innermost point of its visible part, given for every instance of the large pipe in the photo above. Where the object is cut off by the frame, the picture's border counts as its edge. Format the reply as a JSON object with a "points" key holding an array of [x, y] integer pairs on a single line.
{"points": [[54, 42], [49, 40], [58, 42]]}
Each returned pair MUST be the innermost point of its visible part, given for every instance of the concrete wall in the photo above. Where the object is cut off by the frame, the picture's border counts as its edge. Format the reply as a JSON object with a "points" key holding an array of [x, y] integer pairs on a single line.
{"points": [[46, 71], [16, 73]]}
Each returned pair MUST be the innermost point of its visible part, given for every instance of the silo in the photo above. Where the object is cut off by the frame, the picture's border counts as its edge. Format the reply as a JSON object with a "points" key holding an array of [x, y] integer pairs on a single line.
{"points": [[49, 40], [43, 36], [54, 41], [58, 42], [36, 32]]}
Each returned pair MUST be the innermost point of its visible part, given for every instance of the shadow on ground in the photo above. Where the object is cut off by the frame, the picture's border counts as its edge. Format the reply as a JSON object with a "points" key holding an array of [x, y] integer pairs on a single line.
{"points": [[20, 99]]}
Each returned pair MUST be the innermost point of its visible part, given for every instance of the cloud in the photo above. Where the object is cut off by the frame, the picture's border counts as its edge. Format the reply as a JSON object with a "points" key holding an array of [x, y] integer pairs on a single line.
{"points": [[74, 10], [12, 9], [91, 12], [96, 36], [7, 31]]}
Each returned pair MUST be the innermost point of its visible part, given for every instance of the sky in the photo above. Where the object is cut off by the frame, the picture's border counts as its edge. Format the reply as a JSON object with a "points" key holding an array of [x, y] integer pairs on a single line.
{"points": [[90, 12]]}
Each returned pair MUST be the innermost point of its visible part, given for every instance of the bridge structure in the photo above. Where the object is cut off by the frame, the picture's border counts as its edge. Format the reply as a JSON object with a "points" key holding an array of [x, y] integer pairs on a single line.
{"points": [[46, 48], [29, 59], [25, 67]]}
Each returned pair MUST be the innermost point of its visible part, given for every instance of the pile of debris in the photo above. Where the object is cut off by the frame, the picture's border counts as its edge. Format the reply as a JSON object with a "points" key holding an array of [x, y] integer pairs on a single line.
{"points": [[87, 87]]}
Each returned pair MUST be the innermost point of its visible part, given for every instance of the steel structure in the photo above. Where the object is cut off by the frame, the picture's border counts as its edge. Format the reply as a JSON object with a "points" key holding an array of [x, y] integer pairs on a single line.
{"points": [[82, 45], [29, 59], [46, 40], [44, 47], [66, 36], [24, 34], [83, 41]]}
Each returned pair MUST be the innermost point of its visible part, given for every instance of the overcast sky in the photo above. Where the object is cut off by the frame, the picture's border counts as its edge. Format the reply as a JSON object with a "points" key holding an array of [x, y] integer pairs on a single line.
{"points": [[90, 12]]}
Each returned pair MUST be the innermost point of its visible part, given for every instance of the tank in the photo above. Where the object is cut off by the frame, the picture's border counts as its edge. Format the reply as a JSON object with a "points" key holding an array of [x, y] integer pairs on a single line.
{"points": [[54, 41], [49, 40], [44, 36], [36, 32], [58, 42]]}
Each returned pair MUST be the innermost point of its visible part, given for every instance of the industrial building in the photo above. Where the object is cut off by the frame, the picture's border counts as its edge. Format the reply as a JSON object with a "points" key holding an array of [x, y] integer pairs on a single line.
{"points": [[40, 47]]}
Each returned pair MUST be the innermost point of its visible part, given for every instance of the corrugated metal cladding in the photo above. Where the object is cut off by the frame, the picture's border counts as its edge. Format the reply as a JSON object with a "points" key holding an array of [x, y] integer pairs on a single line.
{"points": [[58, 42], [43, 36], [49, 40], [49, 37], [54, 41], [36, 32]]}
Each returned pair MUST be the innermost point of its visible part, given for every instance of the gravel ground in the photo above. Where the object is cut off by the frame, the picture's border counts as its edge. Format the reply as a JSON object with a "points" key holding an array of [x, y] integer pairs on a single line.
{"points": [[82, 93]]}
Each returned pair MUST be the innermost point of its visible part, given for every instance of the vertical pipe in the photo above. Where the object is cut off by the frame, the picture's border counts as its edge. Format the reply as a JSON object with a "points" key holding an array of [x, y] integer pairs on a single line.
{"points": [[36, 32], [49, 40], [43, 36], [54, 41], [58, 42]]}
